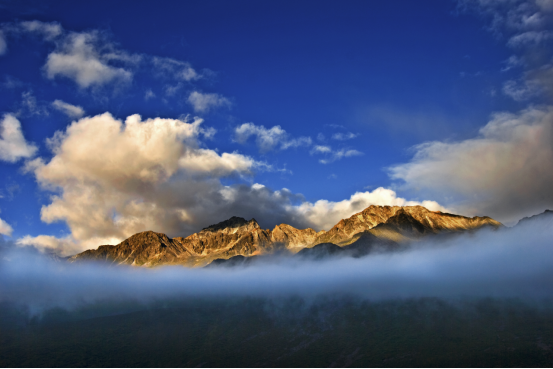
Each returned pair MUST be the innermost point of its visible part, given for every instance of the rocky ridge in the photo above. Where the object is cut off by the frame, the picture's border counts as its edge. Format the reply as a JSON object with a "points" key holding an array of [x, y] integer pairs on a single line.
{"points": [[388, 225]]}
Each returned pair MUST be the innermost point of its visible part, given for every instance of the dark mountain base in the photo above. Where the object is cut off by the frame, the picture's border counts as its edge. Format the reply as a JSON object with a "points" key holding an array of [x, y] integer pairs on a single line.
{"points": [[254, 332]]}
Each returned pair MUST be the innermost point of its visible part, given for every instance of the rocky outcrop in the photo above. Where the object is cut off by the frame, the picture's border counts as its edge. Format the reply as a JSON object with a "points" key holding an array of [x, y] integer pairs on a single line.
{"points": [[376, 227]]}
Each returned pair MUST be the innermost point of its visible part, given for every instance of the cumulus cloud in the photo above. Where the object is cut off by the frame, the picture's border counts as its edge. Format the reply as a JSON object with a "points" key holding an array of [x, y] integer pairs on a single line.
{"points": [[268, 139], [111, 179], [5, 228], [81, 58], [12, 143], [72, 111], [505, 172], [3, 44], [333, 155], [203, 103]]}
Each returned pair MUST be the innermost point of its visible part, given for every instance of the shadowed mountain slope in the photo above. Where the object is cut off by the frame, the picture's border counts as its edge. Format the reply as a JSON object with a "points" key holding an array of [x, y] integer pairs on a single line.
{"points": [[377, 228]]}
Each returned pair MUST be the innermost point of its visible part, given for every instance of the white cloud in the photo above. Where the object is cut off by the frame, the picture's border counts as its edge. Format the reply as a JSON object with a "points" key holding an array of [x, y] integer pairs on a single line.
{"points": [[324, 214], [5, 228], [3, 44], [505, 172], [12, 143], [268, 139], [83, 58], [344, 136], [72, 111], [202, 103], [321, 149], [47, 30], [113, 179], [63, 246], [333, 155]]}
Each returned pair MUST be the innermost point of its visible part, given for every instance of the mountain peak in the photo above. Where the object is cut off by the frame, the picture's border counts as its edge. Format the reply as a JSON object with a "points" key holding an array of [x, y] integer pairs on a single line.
{"points": [[545, 215], [232, 222]]}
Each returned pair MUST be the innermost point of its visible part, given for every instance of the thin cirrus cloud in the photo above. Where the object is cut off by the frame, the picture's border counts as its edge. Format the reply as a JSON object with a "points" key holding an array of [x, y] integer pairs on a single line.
{"points": [[30, 106], [175, 69], [72, 111], [528, 26], [13, 145], [530, 37], [332, 155], [344, 136], [268, 139], [202, 103], [3, 45]]}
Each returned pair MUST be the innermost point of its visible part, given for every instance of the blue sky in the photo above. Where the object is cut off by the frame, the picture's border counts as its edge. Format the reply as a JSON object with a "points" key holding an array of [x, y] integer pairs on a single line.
{"points": [[310, 111]]}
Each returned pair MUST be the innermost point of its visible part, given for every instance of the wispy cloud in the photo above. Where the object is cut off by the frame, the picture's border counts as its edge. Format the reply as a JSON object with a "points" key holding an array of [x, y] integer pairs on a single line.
{"points": [[332, 155], [202, 103], [3, 44], [175, 69], [30, 106], [269, 139], [72, 111], [344, 136]]}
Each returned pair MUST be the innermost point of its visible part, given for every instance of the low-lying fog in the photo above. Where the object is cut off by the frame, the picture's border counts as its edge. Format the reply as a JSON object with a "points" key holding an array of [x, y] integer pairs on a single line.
{"points": [[515, 262]]}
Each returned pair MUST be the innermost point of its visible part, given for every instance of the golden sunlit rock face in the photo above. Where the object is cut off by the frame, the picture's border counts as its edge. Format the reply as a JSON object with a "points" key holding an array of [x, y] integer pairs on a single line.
{"points": [[237, 236]]}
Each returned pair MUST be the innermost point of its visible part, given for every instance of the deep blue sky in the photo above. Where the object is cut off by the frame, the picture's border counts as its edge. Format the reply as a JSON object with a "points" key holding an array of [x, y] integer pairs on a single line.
{"points": [[395, 73]]}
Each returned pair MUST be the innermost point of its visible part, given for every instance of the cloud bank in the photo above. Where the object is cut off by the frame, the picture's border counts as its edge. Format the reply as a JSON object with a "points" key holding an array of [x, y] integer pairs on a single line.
{"points": [[506, 264]]}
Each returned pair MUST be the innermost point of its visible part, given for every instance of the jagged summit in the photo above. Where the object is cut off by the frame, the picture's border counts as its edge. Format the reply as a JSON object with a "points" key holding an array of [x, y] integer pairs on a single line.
{"points": [[233, 222], [546, 215], [386, 225]]}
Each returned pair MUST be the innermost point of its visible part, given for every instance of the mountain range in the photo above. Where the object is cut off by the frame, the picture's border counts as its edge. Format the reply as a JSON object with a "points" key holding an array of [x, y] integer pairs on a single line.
{"points": [[385, 228]]}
